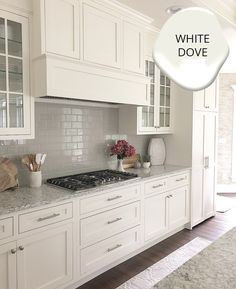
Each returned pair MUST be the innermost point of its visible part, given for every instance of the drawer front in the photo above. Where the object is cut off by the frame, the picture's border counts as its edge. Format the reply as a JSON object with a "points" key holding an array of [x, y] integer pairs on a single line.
{"points": [[178, 180], [155, 186], [101, 226], [108, 199], [40, 218], [103, 253], [6, 228]]}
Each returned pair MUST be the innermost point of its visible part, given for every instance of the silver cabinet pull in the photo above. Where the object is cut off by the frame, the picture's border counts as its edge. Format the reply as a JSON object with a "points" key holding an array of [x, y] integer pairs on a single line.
{"points": [[114, 248], [21, 248], [157, 186], [48, 217], [180, 179], [13, 251], [114, 221], [207, 106], [114, 198]]}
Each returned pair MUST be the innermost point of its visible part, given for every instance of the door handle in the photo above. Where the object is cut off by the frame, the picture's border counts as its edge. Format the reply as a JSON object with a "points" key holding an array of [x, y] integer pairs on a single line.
{"points": [[206, 162]]}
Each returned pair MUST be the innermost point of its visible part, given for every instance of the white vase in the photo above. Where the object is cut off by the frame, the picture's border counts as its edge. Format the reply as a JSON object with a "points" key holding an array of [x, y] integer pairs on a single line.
{"points": [[35, 179], [120, 167]]}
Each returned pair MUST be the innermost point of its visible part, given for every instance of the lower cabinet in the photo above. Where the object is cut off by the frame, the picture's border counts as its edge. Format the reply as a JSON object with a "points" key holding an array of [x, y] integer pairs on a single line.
{"points": [[42, 261], [165, 212], [155, 216], [8, 266], [178, 208], [110, 250]]}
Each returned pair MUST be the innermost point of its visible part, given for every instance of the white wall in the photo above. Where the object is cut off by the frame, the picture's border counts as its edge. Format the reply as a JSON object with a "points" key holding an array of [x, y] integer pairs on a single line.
{"points": [[179, 144], [230, 64]]}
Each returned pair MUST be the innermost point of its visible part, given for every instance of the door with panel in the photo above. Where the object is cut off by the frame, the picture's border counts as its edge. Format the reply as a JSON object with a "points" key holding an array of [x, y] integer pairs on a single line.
{"points": [[197, 179], [8, 266], [178, 207], [44, 260], [15, 100], [206, 99], [210, 130], [101, 36], [62, 27], [155, 223], [133, 48]]}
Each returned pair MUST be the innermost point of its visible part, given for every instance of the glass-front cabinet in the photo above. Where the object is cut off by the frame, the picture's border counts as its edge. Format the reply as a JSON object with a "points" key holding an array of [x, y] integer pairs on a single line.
{"points": [[15, 100], [156, 118]]}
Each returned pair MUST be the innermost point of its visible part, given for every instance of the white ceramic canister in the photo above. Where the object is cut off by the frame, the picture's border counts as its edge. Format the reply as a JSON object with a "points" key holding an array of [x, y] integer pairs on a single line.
{"points": [[35, 179]]}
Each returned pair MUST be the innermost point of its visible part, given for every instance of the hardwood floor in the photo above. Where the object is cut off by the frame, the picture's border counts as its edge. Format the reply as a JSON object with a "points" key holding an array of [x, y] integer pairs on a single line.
{"points": [[211, 229]]}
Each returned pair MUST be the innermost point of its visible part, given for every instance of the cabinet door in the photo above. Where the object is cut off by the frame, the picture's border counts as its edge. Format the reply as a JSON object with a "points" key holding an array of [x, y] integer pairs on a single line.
{"points": [[133, 48], [8, 266], [62, 27], [15, 100], [147, 115], [178, 207], [197, 179], [206, 99], [155, 224], [210, 128], [164, 104], [44, 260], [211, 101], [101, 37]]}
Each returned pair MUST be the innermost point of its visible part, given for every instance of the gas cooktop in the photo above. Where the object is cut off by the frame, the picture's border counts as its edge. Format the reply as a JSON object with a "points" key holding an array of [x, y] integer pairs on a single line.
{"points": [[90, 180]]}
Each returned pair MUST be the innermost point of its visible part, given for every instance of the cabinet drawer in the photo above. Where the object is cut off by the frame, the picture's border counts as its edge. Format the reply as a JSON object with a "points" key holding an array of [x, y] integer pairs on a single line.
{"points": [[178, 180], [40, 218], [6, 228], [108, 199], [155, 186], [109, 223], [108, 251]]}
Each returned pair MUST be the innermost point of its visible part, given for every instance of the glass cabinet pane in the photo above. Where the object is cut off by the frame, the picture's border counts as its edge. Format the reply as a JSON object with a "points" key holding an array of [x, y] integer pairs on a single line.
{"points": [[16, 116], [15, 75], [2, 36], [162, 96], [167, 117], [162, 117], [3, 85], [14, 35], [3, 110]]}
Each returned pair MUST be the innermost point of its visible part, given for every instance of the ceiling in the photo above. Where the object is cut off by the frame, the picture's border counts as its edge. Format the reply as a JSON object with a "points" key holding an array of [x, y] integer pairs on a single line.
{"points": [[156, 9]]}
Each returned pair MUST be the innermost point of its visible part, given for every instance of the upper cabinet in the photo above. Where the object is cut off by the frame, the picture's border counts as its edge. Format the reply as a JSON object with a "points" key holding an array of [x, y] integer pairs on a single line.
{"points": [[101, 37], [79, 42], [16, 103], [206, 99], [133, 48], [62, 27]]}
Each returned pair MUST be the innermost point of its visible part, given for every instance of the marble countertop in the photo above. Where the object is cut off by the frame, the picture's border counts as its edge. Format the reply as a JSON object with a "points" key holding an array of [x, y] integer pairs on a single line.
{"points": [[25, 198], [213, 268]]}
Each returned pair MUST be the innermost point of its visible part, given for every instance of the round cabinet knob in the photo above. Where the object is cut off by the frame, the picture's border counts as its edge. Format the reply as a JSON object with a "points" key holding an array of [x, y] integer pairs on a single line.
{"points": [[13, 251], [21, 248]]}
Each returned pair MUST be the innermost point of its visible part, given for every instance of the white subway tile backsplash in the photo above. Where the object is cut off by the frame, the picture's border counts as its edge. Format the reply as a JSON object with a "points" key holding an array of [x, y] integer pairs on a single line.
{"points": [[75, 140]]}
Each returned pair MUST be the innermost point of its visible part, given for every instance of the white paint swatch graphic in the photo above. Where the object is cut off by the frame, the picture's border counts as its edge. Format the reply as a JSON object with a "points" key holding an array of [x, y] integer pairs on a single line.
{"points": [[191, 48]]}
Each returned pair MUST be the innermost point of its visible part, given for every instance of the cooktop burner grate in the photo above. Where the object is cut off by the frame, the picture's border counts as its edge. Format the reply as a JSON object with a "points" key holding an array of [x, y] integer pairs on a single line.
{"points": [[91, 179]]}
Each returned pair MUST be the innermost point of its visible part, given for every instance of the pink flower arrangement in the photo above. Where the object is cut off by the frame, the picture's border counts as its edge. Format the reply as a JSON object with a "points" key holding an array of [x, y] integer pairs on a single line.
{"points": [[122, 149]]}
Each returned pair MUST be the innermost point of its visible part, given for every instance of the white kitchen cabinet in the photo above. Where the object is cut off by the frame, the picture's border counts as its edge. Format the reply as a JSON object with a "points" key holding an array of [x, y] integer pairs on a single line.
{"points": [[44, 260], [178, 207], [62, 27], [16, 103], [101, 37], [133, 47], [206, 99], [8, 266], [164, 212], [203, 165], [156, 118], [79, 43], [155, 223]]}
